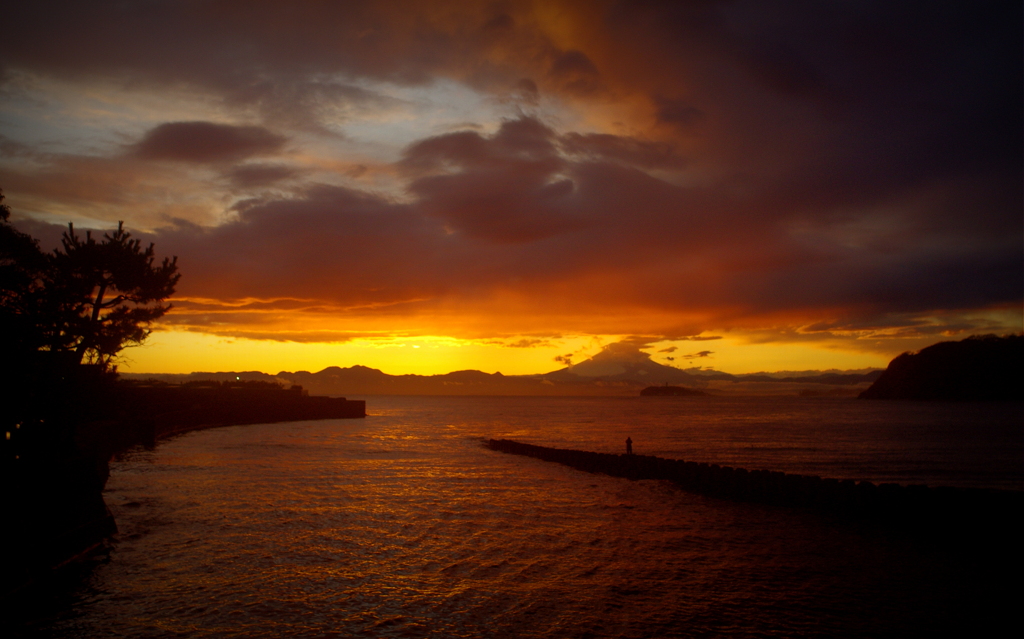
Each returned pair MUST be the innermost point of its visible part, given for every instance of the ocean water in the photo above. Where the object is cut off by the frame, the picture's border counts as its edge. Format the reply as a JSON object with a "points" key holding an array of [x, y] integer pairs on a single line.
{"points": [[403, 525]]}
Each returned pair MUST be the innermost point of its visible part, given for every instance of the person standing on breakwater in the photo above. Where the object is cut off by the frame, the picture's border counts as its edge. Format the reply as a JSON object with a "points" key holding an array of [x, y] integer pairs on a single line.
{"points": [[629, 446]]}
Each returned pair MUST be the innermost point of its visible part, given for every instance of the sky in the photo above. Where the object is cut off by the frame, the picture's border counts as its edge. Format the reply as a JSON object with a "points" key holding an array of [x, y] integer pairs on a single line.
{"points": [[512, 186]]}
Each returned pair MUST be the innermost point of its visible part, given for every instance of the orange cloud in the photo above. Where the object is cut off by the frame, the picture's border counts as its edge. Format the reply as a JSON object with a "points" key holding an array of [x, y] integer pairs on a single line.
{"points": [[658, 169]]}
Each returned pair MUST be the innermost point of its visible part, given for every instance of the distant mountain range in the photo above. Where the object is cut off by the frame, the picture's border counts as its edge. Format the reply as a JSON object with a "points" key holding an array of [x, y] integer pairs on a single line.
{"points": [[608, 373]]}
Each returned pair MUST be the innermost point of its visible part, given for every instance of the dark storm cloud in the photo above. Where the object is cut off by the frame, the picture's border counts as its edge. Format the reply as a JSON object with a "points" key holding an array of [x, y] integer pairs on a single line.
{"points": [[287, 61], [206, 142], [677, 112], [226, 43], [575, 73], [518, 186], [852, 160], [503, 189], [332, 244], [612, 233], [847, 98]]}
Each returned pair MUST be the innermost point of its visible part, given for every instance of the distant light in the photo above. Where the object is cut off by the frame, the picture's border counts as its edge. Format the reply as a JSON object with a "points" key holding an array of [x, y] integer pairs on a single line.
{"points": [[237, 378], [415, 345], [8, 434]]}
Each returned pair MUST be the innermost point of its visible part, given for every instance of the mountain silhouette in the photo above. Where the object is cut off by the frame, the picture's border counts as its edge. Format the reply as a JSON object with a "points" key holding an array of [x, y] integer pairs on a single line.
{"points": [[622, 362], [619, 369]]}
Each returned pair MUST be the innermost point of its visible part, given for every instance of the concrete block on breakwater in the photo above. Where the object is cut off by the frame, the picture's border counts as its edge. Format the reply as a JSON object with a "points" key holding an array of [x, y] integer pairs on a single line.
{"points": [[951, 509]]}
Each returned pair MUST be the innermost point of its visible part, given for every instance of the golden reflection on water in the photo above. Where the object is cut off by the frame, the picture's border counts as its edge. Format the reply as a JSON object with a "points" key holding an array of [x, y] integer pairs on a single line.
{"points": [[404, 525]]}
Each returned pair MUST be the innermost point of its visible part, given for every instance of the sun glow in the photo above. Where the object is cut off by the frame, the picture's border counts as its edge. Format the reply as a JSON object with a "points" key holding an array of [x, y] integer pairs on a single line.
{"points": [[512, 186], [186, 352], [737, 355]]}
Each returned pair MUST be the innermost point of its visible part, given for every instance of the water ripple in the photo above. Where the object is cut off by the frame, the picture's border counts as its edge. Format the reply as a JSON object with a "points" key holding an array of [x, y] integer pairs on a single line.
{"points": [[402, 525]]}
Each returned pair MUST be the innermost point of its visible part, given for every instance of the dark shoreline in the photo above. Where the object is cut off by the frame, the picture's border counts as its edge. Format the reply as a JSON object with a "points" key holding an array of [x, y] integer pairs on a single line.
{"points": [[55, 469], [173, 410]]}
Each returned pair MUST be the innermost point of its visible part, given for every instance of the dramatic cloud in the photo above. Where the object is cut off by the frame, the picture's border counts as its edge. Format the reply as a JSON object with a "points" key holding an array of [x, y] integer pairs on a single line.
{"points": [[805, 173], [503, 189], [205, 142]]}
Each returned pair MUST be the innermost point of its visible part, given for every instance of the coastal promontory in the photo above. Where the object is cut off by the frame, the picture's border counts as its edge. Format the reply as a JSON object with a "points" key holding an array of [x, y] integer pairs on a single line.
{"points": [[979, 368]]}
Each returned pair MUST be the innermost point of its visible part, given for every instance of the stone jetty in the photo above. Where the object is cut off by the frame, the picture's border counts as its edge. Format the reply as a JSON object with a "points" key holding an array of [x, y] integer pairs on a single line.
{"points": [[953, 510]]}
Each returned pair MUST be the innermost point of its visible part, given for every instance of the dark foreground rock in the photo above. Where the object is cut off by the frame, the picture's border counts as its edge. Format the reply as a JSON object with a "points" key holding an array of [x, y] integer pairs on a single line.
{"points": [[981, 368]]}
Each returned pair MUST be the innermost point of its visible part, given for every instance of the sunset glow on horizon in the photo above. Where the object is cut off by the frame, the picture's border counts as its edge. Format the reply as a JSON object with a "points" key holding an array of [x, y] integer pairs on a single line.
{"points": [[424, 187], [183, 352]]}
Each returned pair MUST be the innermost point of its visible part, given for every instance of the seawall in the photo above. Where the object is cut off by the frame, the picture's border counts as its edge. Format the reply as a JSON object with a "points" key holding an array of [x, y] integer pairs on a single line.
{"points": [[952, 510]]}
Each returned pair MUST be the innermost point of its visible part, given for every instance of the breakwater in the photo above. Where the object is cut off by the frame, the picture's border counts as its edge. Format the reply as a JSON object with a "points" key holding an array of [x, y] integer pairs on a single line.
{"points": [[959, 511]]}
